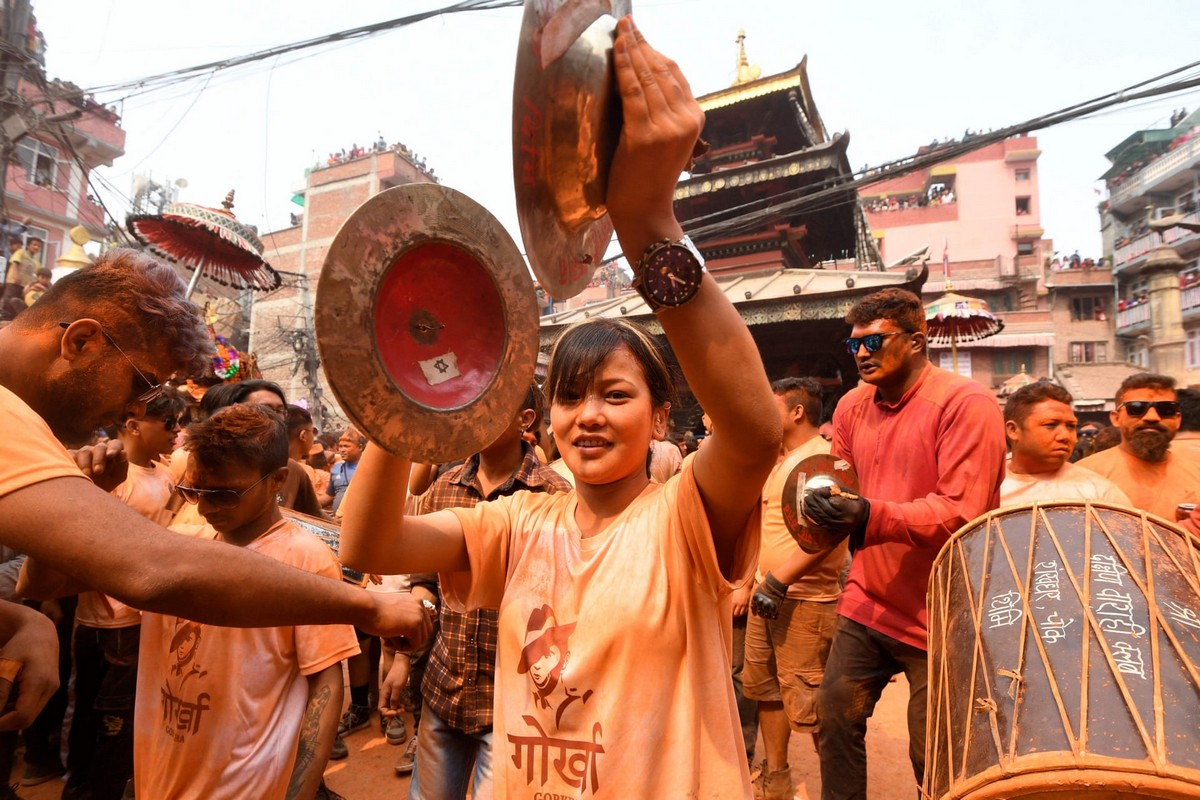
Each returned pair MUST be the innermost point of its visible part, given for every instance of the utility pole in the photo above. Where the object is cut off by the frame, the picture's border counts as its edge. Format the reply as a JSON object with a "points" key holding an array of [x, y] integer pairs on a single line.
{"points": [[13, 60], [304, 345]]}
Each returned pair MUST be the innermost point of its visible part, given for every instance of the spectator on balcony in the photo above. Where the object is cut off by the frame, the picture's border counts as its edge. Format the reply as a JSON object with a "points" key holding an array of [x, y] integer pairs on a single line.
{"points": [[23, 265]]}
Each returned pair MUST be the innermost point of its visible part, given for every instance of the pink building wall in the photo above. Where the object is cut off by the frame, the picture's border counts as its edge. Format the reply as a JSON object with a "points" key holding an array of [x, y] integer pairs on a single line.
{"points": [[982, 223]]}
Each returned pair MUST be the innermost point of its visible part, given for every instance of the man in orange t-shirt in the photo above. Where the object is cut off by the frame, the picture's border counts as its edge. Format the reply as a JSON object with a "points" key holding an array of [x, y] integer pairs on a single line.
{"points": [[240, 712], [92, 352], [794, 608], [1144, 465]]}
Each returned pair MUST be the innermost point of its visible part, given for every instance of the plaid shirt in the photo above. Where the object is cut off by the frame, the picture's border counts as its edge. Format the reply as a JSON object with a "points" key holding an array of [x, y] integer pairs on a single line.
{"points": [[460, 679]]}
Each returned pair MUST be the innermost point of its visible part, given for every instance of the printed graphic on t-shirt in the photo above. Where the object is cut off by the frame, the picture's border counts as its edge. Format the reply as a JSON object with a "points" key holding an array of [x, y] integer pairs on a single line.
{"points": [[182, 702], [557, 705]]}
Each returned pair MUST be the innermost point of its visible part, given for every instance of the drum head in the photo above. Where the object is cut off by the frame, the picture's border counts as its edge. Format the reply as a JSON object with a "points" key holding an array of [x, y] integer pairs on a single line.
{"points": [[812, 473], [426, 322], [566, 123]]}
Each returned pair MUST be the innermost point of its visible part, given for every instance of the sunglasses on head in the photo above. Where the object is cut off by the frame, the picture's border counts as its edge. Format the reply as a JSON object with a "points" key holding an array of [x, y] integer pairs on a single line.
{"points": [[1138, 408], [872, 341], [223, 498]]}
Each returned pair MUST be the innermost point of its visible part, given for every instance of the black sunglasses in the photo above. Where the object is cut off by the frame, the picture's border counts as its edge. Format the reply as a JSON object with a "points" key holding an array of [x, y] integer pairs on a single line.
{"points": [[1137, 408], [223, 498], [872, 341], [170, 422]]}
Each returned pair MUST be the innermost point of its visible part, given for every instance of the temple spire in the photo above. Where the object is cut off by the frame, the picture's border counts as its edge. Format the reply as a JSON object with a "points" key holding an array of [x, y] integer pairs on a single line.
{"points": [[745, 72]]}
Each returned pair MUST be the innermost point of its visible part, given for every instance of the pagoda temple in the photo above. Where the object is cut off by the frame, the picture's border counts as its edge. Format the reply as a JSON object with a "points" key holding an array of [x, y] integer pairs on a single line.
{"points": [[767, 145], [792, 271]]}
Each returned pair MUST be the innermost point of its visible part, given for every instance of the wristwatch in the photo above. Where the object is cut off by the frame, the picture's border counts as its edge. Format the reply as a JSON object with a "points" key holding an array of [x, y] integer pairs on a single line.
{"points": [[669, 273]]}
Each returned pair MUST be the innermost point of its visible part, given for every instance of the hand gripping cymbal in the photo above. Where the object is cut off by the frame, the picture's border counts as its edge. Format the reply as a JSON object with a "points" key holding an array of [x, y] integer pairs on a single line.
{"points": [[812, 473]]}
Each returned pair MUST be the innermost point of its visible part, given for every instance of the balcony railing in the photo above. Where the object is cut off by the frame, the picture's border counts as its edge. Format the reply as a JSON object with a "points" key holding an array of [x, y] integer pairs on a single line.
{"points": [[1161, 167], [1133, 316], [1148, 241], [1190, 298]]}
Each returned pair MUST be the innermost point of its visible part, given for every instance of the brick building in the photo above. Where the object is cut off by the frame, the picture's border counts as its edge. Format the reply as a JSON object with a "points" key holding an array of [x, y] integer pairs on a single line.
{"points": [[281, 323]]}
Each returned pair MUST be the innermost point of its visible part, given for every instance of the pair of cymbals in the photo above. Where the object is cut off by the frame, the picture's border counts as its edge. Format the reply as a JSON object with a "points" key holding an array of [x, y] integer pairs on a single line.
{"points": [[426, 317]]}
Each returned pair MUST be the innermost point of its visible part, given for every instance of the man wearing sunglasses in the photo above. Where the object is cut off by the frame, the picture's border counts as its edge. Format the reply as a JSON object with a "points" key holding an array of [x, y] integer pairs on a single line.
{"points": [[240, 712], [128, 325], [928, 447], [1144, 464]]}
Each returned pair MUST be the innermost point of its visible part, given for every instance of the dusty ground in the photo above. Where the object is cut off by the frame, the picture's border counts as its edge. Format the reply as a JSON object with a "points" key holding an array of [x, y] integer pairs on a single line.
{"points": [[369, 772]]}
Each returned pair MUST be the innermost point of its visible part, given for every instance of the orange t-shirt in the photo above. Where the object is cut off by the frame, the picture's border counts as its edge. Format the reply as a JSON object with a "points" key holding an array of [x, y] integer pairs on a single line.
{"points": [[1152, 487], [613, 662], [218, 710], [146, 490], [822, 584], [31, 454]]}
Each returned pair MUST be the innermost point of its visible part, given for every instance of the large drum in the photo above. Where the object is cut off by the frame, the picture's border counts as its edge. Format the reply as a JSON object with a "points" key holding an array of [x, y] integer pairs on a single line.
{"points": [[1064, 644], [329, 532]]}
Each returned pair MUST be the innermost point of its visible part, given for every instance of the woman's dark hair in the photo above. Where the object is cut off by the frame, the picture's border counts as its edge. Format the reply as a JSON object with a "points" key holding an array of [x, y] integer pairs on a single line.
{"points": [[582, 348], [228, 394]]}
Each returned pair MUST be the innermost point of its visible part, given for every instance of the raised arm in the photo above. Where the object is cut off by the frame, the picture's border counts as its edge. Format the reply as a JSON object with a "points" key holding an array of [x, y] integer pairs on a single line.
{"points": [[662, 122], [376, 535]]}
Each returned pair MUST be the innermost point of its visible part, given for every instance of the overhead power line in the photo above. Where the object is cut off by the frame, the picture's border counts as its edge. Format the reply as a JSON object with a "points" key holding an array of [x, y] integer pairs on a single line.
{"points": [[833, 191], [162, 80]]}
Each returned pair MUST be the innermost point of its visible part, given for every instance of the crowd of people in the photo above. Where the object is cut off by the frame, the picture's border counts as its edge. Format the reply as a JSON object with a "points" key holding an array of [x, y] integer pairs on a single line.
{"points": [[380, 146], [601, 616], [936, 196]]}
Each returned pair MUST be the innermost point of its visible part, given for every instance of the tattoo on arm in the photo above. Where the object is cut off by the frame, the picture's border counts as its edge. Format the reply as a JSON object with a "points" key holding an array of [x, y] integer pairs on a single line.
{"points": [[306, 748]]}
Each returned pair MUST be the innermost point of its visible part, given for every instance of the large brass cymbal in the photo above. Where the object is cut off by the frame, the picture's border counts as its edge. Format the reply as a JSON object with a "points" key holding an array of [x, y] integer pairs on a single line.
{"points": [[812, 473], [566, 123], [426, 322]]}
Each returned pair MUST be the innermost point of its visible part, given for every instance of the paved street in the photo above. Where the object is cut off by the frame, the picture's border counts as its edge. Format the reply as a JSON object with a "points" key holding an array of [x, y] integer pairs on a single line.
{"points": [[368, 773]]}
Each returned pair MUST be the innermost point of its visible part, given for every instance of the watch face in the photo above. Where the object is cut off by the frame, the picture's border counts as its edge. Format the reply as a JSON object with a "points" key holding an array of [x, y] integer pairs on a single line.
{"points": [[673, 276]]}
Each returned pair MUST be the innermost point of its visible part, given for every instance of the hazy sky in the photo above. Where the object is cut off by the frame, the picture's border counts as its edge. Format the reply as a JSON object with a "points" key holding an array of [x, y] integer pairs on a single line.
{"points": [[895, 75]]}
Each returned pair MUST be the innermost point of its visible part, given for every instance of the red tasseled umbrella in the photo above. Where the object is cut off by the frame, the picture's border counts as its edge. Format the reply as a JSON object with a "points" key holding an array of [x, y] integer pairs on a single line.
{"points": [[209, 241]]}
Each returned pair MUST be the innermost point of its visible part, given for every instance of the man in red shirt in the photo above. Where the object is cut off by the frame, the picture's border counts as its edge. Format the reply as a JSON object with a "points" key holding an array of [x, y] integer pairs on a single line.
{"points": [[928, 447]]}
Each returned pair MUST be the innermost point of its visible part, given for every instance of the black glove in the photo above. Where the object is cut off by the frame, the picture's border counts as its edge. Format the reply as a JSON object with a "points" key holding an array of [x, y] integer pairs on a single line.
{"points": [[838, 514], [768, 597]]}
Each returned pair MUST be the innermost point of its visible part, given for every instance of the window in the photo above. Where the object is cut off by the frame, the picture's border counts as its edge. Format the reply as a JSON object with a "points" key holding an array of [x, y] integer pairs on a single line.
{"points": [[40, 161], [964, 363], [1011, 362], [1022, 206], [1088, 308], [1022, 174], [1191, 353], [1138, 354], [1024, 248], [1088, 352]]}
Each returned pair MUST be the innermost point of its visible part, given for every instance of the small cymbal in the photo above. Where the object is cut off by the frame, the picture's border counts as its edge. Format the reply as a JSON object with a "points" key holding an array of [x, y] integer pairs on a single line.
{"points": [[812, 473]]}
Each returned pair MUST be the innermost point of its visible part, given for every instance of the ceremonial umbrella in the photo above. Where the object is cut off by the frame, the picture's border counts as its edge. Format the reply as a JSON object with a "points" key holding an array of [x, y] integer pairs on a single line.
{"points": [[209, 241], [1011, 385], [954, 318]]}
